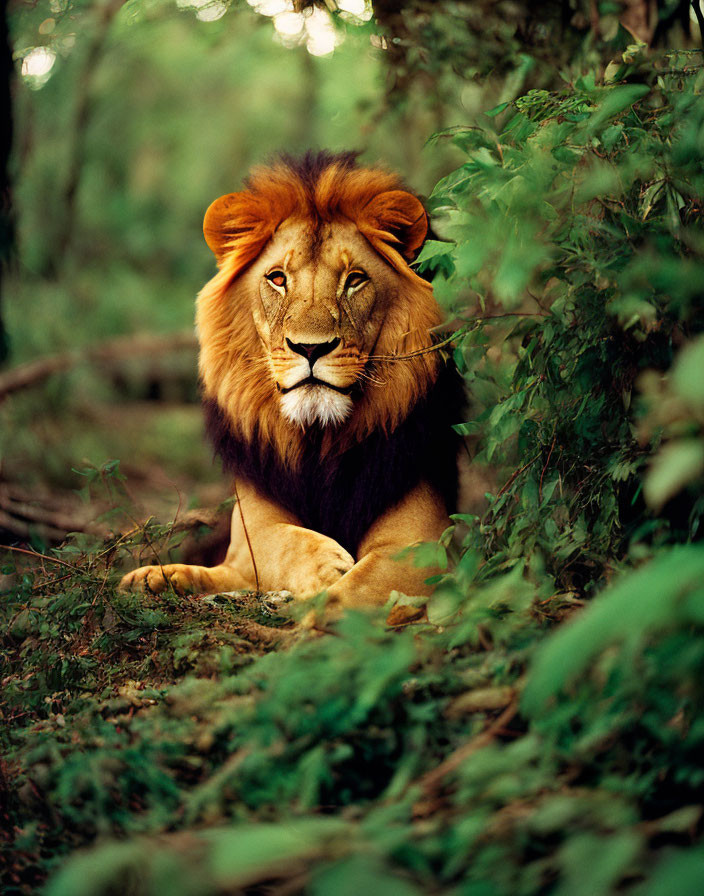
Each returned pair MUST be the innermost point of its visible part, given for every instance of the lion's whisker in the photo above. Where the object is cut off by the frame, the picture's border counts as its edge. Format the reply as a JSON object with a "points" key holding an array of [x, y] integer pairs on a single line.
{"points": [[371, 378]]}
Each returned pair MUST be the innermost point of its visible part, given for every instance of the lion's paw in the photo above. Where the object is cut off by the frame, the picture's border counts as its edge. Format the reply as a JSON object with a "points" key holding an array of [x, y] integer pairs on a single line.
{"points": [[319, 564], [157, 579]]}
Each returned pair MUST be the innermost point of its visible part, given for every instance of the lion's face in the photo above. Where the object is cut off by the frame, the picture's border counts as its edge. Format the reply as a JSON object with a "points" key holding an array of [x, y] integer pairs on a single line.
{"points": [[320, 300], [313, 302]]}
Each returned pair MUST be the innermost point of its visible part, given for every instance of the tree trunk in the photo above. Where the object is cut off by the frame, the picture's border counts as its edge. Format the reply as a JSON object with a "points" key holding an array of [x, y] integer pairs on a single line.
{"points": [[7, 230], [104, 16]]}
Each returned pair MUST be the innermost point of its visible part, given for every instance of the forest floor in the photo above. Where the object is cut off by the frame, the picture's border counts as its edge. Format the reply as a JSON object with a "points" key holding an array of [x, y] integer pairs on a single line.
{"points": [[211, 745]]}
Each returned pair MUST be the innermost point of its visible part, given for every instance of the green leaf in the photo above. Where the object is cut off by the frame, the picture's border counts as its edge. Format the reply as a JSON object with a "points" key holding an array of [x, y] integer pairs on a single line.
{"points": [[681, 873], [429, 553], [492, 113], [641, 602], [435, 249], [688, 373], [676, 465], [607, 858], [197, 862], [443, 606], [614, 100], [361, 875]]}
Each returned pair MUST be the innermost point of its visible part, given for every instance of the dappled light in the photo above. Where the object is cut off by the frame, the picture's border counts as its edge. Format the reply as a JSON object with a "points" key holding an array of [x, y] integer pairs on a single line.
{"points": [[37, 66], [359, 9], [321, 38], [206, 10], [271, 7]]}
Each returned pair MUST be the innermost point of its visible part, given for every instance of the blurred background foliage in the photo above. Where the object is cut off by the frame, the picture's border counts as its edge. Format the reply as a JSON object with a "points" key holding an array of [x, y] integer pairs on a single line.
{"points": [[542, 732]]}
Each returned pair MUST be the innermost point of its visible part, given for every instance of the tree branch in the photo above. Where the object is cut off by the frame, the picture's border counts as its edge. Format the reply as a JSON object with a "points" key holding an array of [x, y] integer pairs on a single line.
{"points": [[697, 7], [108, 353]]}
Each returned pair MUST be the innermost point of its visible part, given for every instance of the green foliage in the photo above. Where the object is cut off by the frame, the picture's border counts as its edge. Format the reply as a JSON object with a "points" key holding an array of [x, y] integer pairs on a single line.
{"points": [[579, 222], [325, 761]]}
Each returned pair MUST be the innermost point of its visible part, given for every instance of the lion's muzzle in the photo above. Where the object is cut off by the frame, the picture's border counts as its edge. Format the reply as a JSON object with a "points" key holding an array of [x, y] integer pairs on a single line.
{"points": [[314, 382]]}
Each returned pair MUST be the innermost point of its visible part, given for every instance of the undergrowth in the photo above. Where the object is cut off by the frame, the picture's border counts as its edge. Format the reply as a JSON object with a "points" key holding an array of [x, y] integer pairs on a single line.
{"points": [[214, 746]]}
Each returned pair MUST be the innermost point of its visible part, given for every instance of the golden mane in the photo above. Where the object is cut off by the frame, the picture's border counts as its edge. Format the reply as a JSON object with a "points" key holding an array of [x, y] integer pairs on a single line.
{"points": [[237, 227]]}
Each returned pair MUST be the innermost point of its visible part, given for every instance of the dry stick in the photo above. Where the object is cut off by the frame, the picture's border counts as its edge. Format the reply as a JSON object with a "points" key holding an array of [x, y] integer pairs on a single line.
{"points": [[50, 583], [152, 548], [516, 474], [98, 593], [172, 527], [432, 779], [542, 474], [38, 556], [246, 535], [124, 348], [55, 520], [421, 351], [458, 335], [23, 529]]}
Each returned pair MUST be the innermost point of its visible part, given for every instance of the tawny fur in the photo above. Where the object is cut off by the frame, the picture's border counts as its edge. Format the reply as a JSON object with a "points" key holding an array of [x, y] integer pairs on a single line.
{"points": [[249, 370], [232, 362]]}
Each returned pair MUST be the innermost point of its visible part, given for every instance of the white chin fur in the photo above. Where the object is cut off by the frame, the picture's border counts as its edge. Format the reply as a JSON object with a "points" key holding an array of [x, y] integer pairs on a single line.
{"points": [[315, 404]]}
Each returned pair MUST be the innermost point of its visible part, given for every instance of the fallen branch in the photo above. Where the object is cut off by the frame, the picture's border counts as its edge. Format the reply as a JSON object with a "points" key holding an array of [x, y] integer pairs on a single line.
{"points": [[49, 515], [45, 558], [126, 347], [433, 780], [23, 508], [53, 515], [22, 529]]}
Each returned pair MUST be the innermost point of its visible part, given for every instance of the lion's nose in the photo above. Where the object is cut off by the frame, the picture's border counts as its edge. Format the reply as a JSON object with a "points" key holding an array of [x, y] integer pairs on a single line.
{"points": [[312, 350]]}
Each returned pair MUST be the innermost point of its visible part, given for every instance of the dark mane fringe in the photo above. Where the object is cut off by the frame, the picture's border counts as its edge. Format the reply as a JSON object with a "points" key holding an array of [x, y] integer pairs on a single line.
{"points": [[309, 167], [342, 495]]}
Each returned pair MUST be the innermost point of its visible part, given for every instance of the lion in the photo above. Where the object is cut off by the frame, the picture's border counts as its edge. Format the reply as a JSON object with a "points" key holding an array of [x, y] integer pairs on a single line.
{"points": [[323, 395]]}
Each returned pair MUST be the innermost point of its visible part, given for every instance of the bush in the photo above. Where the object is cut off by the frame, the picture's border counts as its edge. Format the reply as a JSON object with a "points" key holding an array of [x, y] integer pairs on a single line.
{"points": [[577, 256]]}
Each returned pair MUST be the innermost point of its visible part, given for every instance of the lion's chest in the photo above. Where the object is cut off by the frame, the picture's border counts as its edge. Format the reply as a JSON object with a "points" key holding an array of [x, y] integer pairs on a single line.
{"points": [[342, 496]]}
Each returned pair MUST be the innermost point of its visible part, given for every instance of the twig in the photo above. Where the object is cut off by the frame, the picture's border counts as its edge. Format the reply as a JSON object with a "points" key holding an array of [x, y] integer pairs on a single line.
{"points": [[541, 313], [542, 473], [473, 321], [246, 535], [38, 556], [516, 474], [50, 583], [422, 351], [432, 780]]}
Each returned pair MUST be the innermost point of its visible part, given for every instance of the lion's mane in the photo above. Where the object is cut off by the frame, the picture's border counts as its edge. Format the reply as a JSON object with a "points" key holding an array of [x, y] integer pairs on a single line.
{"points": [[399, 430], [319, 188]]}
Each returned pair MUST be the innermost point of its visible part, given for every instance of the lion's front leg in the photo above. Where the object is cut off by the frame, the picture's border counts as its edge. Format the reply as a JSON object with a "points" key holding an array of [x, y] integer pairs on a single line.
{"points": [[269, 550], [269, 545], [420, 516]]}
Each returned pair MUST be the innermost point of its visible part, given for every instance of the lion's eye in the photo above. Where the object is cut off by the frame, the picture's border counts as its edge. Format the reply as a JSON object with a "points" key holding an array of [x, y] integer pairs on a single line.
{"points": [[276, 278], [356, 278]]}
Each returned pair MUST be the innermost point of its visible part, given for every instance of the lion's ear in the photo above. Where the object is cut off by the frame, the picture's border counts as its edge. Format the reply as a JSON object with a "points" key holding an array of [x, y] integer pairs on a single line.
{"points": [[234, 224], [398, 219]]}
